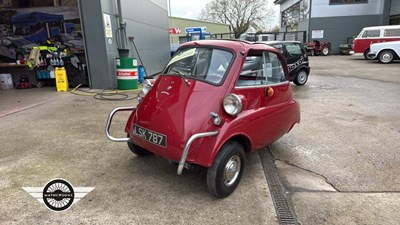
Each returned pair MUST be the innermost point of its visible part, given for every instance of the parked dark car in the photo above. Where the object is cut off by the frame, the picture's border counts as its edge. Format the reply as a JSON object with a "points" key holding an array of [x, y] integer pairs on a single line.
{"points": [[296, 57], [12, 48]]}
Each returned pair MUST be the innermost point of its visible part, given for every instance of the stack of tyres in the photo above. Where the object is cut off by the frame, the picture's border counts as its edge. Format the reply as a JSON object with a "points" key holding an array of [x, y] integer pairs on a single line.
{"points": [[127, 73]]}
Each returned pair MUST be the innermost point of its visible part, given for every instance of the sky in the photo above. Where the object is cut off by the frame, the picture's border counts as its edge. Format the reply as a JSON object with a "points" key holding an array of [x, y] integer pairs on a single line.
{"points": [[187, 8], [191, 9]]}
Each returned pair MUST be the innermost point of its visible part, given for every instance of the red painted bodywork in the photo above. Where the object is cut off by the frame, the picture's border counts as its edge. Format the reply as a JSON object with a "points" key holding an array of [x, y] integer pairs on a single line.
{"points": [[184, 109], [360, 45], [317, 47]]}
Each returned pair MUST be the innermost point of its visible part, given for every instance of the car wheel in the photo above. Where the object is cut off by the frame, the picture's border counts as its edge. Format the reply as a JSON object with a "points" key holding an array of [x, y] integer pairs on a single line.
{"points": [[386, 56], [137, 149], [301, 77], [226, 171], [325, 51], [366, 55]]}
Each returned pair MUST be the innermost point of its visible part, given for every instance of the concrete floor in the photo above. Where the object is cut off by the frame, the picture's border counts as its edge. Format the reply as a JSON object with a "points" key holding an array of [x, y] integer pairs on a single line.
{"points": [[64, 138], [339, 166]]}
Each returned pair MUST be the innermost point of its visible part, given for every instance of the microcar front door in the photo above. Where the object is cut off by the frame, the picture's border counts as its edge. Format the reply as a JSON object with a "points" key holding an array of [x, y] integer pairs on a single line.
{"points": [[264, 85]]}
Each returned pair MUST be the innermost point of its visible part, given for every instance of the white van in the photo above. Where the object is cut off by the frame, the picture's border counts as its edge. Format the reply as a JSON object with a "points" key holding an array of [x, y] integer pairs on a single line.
{"points": [[370, 35]]}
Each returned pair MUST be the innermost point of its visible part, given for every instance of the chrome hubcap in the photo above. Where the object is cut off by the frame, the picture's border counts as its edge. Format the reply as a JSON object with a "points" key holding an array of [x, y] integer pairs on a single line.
{"points": [[386, 57], [302, 77], [232, 170], [325, 51]]}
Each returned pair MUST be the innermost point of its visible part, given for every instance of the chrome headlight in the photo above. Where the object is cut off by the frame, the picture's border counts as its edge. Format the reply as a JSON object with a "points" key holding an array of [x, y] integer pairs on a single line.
{"points": [[232, 104], [146, 86]]}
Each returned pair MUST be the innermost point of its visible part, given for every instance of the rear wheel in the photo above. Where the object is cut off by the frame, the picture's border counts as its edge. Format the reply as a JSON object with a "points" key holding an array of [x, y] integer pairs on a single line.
{"points": [[226, 171], [366, 55], [137, 149], [301, 77], [386, 56], [325, 51]]}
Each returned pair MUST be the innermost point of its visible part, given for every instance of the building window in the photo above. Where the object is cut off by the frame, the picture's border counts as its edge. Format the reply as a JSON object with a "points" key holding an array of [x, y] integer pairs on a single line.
{"points": [[394, 20], [295, 13], [337, 2]]}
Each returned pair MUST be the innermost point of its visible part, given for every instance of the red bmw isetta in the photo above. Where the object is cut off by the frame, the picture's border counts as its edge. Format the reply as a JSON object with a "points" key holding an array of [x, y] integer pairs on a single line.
{"points": [[210, 106]]}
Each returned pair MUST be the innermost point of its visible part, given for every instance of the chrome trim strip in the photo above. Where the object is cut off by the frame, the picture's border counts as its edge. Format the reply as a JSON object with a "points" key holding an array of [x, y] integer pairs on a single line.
{"points": [[109, 120], [187, 146], [262, 86]]}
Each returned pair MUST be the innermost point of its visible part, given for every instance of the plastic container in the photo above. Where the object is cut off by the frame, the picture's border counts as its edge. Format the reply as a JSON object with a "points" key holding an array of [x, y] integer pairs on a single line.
{"points": [[127, 73], [141, 74], [61, 79], [6, 81]]}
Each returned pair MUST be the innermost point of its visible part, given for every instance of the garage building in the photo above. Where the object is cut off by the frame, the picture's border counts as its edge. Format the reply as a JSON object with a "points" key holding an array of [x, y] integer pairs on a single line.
{"points": [[336, 21]]}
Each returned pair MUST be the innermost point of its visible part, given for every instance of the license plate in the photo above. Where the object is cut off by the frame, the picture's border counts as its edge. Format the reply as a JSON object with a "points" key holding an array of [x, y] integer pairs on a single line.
{"points": [[150, 136]]}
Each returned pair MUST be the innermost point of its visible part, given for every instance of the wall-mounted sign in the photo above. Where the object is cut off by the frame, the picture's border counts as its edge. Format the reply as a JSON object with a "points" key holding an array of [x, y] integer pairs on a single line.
{"points": [[174, 30], [107, 25], [317, 34], [190, 30]]}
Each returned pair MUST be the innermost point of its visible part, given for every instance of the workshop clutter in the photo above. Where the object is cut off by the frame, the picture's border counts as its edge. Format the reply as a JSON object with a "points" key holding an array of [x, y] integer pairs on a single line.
{"points": [[6, 81], [23, 82], [54, 65]]}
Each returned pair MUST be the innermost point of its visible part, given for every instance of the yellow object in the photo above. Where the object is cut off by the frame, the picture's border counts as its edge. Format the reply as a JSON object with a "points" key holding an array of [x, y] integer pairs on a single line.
{"points": [[61, 79], [45, 48], [77, 91]]}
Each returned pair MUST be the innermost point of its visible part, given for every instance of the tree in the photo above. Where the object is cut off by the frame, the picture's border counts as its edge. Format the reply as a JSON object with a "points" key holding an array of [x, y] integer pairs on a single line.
{"points": [[242, 15]]}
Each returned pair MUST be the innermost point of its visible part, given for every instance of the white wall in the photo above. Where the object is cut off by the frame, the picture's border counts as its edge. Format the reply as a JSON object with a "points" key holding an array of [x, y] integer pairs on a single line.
{"points": [[321, 8]]}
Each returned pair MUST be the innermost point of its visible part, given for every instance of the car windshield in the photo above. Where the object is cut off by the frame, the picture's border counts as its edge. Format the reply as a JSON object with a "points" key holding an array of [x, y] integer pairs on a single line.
{"points": [[21, 42], [204, 64]]}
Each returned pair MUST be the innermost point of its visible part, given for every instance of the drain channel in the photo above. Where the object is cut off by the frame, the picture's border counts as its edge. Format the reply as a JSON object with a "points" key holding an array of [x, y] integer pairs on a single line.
{"points": [[285, 214]]}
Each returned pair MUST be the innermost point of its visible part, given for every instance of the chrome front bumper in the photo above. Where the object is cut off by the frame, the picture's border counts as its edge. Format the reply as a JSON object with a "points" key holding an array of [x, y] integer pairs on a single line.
{"points": [[185, 150], [109, 120], [187, 146]]}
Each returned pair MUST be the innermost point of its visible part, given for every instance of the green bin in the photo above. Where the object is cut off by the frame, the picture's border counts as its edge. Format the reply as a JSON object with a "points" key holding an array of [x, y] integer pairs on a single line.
{"points": [[127, 73]]}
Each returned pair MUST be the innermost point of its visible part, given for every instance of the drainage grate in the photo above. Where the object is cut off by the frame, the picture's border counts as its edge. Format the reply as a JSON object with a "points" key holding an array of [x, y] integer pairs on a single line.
{"points": [[286, 215]]}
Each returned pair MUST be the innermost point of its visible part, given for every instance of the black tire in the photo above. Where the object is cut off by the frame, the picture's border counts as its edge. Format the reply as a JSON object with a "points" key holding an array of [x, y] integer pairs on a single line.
{"points": [[137, 149], [386, 56], [325, 51], [366, 55], [301, 77], [220, 181]]}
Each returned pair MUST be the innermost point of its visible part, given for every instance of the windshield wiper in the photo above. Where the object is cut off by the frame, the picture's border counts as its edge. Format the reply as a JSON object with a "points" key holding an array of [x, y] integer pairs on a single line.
{"points": [[182, 75]]}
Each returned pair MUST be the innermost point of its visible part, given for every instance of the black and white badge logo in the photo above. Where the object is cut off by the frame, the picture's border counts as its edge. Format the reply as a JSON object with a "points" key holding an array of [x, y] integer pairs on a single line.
{"points": [[58, 194]]}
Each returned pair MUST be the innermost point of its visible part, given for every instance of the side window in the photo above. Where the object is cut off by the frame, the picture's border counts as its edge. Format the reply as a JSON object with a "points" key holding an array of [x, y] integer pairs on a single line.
{"points": [[252, 73], [371, 33], [392, 33], [294, 50], [273, 68], [261, 68]]}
